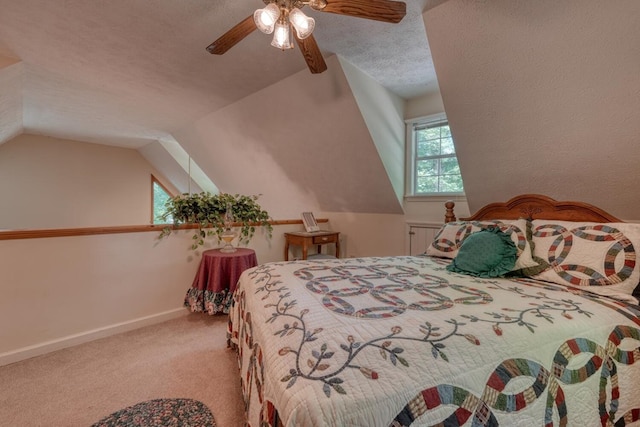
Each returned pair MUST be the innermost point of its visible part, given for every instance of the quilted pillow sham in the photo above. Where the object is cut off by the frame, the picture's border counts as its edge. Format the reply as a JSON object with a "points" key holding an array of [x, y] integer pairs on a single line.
{"points": [[602, 256], [450, 237]]}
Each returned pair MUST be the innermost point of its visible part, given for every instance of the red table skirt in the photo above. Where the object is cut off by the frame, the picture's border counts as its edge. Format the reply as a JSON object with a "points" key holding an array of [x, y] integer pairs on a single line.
{"points": [[217, 278]]}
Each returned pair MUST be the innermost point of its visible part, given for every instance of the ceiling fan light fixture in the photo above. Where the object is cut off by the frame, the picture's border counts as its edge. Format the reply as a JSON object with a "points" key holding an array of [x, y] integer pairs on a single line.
{"points": [[282, 35], [282, 17], [303, 24], [267, 17]]}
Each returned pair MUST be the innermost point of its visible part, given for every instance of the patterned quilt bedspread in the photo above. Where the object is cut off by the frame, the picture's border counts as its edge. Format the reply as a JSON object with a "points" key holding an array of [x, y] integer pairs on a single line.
{"points": [[401, 341]]}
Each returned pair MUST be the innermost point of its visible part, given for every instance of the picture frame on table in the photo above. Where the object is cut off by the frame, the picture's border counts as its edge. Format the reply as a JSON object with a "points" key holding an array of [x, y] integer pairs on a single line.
{"points": [[310, 223]]}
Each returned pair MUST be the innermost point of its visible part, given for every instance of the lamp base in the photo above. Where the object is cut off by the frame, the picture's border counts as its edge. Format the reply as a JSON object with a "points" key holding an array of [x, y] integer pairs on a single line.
{"points": [[228, 237], [228, 249]]}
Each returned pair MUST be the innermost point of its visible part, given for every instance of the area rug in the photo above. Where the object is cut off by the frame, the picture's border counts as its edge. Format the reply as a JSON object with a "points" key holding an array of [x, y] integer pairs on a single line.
{"points": [[161, 413]]}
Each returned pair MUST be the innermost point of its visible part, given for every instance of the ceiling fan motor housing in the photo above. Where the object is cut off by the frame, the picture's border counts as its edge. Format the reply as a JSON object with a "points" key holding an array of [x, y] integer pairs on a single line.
{"points": [[289, 4]]}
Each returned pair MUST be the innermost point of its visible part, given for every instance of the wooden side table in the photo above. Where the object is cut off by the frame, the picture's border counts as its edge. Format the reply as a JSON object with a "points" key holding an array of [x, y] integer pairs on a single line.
{"points": [[305, 240]]}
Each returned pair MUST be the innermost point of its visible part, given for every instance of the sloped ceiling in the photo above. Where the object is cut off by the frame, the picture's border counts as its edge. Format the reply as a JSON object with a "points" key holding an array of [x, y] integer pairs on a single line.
{"points": [[135, 73], [128, 72], [543, 97], [11, 99], [301, 143]]}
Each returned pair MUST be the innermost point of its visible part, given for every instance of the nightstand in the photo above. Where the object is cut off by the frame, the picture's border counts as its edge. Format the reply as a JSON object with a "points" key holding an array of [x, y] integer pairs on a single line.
{"points": [[304, 239]]}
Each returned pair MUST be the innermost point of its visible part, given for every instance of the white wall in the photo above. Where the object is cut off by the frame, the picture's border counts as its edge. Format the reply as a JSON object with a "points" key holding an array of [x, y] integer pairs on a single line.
{"points": [[57, 292], [387, 234], [365, 235], [422, 106], [429, 209], [543, 97], [54, 183], [383, 113], [432, 209], [302, 143], [62, 291], [11, 116]]}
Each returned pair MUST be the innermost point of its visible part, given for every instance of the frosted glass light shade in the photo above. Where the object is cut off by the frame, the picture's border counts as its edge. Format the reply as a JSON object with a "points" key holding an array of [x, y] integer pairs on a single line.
{"points": [[281, 36], [266, 18], [303, 24]]}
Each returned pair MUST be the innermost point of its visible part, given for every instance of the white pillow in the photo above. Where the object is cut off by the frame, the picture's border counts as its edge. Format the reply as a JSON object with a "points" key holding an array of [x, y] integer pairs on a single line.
{"points": [[450, 237], [602, 256]]}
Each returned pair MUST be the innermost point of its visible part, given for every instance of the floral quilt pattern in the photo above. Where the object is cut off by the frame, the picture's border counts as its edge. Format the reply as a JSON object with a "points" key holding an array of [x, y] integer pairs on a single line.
{"points": [[400, 341]]}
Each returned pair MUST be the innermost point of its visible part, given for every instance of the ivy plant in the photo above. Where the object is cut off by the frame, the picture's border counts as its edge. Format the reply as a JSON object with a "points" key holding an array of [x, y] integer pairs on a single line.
{"points": [[207, 212]]}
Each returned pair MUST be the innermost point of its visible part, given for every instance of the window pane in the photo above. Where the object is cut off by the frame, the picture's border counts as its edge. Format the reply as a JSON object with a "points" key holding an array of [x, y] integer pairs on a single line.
{"points": [[427, 184], [451, 184], [160, 198], [431, 133], [420, 136], [436, 166], [449, 166], [447, 146], [428, 148], [427, 168]]}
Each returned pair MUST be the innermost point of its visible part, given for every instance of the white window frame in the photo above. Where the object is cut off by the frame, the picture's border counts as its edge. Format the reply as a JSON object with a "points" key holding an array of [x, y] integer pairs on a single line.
{"points": [[155, 181], [410, 160]]}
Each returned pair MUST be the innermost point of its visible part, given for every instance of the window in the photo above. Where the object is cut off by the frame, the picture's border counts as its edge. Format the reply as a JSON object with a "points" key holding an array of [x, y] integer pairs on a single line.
{"points": [[432, 162], [159, 197]]}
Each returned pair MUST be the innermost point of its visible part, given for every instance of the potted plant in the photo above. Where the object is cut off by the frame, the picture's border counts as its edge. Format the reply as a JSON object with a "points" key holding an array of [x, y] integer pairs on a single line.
{"points": [[216, 214]]}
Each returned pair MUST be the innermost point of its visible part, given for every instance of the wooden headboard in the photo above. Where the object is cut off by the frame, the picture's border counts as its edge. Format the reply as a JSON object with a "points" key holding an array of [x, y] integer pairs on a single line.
{"points": [[535, 206]]}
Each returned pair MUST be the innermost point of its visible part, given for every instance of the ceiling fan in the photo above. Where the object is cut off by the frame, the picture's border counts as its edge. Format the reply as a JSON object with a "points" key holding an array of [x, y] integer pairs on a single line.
{"points": [[284, 18]]}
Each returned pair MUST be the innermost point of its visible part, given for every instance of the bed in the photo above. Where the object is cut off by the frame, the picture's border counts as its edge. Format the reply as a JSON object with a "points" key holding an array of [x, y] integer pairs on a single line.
{"points": [[548, 334]]}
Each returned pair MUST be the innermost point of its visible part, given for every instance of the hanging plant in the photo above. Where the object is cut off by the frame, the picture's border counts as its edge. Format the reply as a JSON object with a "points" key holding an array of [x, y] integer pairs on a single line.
{"points": [[207, 211]]}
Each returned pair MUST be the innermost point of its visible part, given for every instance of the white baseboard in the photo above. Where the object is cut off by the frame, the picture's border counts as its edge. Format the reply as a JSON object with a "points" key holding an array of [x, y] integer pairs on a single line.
{"points": [[71, 340]]}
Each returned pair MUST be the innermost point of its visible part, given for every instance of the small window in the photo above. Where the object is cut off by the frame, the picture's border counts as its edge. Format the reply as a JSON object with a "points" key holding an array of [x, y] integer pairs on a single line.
{"points": [[432, 163], [159, 197]]}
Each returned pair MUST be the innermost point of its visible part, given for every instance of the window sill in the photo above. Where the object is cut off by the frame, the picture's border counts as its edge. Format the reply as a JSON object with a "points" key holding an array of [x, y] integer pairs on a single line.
{"points": [[436, 198]]}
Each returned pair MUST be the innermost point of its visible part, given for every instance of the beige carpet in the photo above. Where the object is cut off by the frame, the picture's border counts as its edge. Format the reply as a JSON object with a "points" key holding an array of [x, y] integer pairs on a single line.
{"points": [[78, 386]]}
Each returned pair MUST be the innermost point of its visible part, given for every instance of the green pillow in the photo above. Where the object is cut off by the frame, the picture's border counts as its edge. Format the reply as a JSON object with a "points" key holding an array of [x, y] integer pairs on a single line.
{"points": [[487, 253]]}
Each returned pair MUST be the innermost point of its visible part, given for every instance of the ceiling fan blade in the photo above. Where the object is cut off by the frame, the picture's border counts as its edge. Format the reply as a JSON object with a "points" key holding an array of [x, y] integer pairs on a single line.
{"points": [[233, 36], [379, 10], [312, 54]]}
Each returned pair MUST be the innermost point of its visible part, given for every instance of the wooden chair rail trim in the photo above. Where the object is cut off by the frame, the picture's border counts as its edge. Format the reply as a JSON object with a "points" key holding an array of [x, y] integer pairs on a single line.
{"points": [[91, 231]]}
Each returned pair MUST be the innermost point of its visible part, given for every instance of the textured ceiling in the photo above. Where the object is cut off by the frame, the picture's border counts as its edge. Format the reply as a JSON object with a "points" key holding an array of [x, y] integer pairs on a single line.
{"points": [[129, 72]]}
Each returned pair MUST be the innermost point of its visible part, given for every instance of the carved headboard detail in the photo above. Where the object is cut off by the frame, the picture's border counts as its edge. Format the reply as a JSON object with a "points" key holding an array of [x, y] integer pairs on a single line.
{"points": [[536, 206]]}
